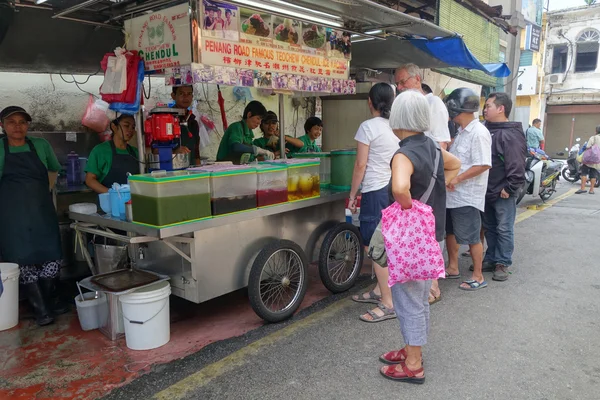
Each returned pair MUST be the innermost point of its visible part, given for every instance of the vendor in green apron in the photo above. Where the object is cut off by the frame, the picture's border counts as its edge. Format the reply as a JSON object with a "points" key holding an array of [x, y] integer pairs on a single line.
{"points": [[270, 139], [30, 235], [111, 161], [190, 129], [313, 127], [237, 139]]}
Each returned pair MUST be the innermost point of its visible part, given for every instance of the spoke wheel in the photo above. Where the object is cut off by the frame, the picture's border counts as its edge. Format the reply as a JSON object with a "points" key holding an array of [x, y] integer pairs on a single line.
{"points": [[278, 281], [341, 258]]}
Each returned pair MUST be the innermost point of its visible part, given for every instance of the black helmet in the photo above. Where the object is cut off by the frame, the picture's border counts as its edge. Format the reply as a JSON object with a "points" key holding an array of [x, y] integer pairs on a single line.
{"points": [[462, 100]]}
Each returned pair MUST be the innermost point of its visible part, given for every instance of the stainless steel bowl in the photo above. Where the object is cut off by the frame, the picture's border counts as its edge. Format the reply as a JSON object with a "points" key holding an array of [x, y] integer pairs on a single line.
{"points": [[180, 161]]}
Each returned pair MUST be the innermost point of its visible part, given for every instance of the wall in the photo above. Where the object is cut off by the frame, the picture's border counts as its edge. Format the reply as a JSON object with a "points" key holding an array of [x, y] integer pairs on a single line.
{"points": [[59, 106]]}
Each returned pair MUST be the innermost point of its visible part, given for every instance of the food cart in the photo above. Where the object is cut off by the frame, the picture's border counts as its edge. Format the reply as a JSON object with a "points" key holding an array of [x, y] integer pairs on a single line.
{"points": [[268, 250]]}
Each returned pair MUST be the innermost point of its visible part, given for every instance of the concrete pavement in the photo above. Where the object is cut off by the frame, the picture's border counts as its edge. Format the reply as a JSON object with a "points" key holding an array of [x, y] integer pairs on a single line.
{"points": [[532, 337]]}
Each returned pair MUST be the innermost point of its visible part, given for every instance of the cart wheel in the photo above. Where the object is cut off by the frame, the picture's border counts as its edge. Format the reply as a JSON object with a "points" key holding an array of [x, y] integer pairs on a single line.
{"points": [[341, 258], [278, 281]]}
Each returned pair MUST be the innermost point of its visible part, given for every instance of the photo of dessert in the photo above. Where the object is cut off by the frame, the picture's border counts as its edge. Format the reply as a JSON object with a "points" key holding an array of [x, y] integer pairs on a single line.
{"points": [[256, 25], [287, 30], [314, 36]]}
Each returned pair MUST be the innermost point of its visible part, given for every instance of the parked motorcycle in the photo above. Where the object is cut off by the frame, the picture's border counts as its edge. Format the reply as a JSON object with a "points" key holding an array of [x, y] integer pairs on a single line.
{"points": [[572, 171], [541, 175]]}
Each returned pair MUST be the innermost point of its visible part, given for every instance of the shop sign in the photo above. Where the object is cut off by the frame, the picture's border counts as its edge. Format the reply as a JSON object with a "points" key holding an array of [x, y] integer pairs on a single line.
{"points": [[533, 34], [162, 38]]}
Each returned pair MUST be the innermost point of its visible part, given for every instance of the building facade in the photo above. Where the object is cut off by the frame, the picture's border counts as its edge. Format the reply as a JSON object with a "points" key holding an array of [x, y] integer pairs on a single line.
{"points": [[571, 76]]}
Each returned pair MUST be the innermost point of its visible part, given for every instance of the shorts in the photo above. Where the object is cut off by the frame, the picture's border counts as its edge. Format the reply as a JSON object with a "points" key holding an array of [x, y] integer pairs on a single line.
{"points": [[465, 224], [592, 173], [371, 205]]}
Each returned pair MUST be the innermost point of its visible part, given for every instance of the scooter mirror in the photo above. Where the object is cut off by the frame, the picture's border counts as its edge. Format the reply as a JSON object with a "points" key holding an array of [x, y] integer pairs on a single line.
{"points": [[566, 149], [578, 140], [560, 154]]}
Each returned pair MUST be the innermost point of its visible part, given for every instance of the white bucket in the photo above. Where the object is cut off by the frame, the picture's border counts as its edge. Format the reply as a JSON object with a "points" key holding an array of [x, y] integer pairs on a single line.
{"points": [[91, 311], [9, 301], [146, 316]]}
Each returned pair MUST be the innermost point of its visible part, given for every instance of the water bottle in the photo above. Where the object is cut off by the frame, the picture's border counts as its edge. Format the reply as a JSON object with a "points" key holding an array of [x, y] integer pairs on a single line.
{"points": [[73, 169]]}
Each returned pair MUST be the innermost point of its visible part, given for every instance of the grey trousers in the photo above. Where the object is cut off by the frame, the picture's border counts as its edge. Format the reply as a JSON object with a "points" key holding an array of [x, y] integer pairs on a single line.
{"points": [[411, 303]]}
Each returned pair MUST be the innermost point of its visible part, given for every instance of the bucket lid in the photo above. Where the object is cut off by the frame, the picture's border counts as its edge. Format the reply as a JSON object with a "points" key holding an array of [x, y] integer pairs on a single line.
{"points": [[9, 270], [343, 152], [168, 176], [155, 290], [311, 155]]}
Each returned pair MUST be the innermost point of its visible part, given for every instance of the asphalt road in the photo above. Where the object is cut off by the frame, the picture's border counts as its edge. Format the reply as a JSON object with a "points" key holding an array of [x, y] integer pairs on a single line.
{"points": [[532, 337]]}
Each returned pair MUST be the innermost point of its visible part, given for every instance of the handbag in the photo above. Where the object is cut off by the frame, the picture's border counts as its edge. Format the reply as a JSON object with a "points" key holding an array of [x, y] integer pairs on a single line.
{"points": [[592, 155], [377, 251]]}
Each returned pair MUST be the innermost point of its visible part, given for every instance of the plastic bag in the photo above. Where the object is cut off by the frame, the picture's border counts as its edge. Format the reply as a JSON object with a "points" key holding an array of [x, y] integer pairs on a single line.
{"points": [[134, 106], [592, 155], [129, 95], [95, 116], [115, 76]]}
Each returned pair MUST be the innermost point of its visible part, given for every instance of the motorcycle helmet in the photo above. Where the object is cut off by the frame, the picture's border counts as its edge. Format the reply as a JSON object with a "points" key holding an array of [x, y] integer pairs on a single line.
{"points": [[462, 100]]}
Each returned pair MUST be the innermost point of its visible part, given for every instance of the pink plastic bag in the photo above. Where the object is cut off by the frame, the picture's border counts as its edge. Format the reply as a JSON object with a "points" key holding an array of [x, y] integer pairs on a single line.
{"points": [[95, 116], [592, 155], [412, 250]]}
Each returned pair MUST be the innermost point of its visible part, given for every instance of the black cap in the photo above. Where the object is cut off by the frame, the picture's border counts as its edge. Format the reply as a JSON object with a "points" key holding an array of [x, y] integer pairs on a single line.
{"points": [[8, 111], [270, 116]]}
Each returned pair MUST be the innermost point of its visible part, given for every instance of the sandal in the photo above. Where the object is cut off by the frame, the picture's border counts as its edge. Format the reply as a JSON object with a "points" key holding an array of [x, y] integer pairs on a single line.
{"points": [[473, 285], [373, 298], [387, 314], [394, 357], [432, 298], [406, 375]]}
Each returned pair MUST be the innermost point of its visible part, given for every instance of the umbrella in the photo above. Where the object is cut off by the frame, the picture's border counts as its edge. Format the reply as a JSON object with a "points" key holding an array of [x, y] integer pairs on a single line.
{"points": [[221, 102]]}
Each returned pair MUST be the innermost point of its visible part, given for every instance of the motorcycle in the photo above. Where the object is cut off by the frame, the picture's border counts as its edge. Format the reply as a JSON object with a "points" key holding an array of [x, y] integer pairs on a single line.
{"points": [[541, 175], [572, 171]]}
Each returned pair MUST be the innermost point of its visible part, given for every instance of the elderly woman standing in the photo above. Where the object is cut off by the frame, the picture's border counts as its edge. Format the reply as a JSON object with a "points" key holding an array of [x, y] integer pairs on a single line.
{"points": [[376, 147], [30, 235], [412, 171]]}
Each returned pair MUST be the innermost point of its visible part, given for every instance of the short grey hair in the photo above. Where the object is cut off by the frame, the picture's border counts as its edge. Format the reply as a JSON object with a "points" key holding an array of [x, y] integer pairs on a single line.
{"points": [[411, 69], [410, 112]]}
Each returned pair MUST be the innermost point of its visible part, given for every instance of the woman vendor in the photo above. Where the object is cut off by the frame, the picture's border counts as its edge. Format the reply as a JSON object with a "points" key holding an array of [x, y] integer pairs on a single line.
{"points": [[30, 235], [109, 162], [313, 128], [270, 139], [238, 138]]}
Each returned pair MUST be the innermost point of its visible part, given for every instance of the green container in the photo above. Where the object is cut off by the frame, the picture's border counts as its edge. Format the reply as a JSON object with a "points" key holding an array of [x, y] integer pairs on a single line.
{"points": [[170, 198], [324, 169], [342, 168]]}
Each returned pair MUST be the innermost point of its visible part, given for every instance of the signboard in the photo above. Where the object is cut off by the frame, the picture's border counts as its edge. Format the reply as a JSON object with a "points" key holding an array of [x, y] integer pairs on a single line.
{"points": [[533, 34], [527, 80], [532, 11], [162, 38]]}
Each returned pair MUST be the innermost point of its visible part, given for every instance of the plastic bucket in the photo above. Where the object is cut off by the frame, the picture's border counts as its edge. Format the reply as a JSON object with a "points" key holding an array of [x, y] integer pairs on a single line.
{"points": [[118, 198], [146, 316], [90, 310], [9, 300], [104, 200], [342, 168]]}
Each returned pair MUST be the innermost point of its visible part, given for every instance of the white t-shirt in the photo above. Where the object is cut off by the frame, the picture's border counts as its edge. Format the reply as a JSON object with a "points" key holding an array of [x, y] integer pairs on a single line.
{"points": [[438, 129], [473, 146], [377, 134]]}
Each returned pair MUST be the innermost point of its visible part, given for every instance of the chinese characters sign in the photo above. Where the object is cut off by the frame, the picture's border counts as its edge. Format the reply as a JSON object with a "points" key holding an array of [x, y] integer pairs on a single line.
{"points": [[533, 34]]}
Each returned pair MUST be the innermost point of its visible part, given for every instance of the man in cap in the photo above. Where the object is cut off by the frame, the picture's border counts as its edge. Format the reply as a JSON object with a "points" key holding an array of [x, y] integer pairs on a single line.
{"points": [[465, 199], [30, 236]]}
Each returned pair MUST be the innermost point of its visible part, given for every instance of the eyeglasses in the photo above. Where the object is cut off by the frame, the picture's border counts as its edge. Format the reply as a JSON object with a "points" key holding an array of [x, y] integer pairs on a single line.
{"points": [[403, 82]]}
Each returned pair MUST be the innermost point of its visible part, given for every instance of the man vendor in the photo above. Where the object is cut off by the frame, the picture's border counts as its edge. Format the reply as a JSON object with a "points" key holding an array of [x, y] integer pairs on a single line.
{"points": [[238, 138], [190, 129], [30, 234], [270, 140], [111, 161]]}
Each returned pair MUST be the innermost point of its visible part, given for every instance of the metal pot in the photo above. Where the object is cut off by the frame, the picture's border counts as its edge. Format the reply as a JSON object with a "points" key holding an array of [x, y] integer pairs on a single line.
{"points": [[180, 161]]}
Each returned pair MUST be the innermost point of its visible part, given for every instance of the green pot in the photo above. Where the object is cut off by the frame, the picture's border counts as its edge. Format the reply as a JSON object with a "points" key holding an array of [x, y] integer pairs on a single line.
{"points": [[342, 168]]}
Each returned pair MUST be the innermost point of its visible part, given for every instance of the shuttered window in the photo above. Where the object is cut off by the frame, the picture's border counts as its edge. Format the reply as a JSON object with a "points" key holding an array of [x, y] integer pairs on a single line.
{"points": [[526, 58]]}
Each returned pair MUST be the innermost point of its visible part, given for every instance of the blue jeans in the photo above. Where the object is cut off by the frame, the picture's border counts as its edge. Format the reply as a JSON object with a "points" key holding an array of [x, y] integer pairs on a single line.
{"points": [[499, 224]]}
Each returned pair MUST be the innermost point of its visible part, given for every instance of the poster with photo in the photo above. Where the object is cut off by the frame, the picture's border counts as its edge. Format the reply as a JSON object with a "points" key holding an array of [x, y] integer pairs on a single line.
{"points": [[220, 20], [339, 44], [293, 82], [263, 80], [204, 74], [351, 86], [336, 86], [287, 31], [225, 76], [280, 81], [314, 36], [256, 27], [245, 77], [173, 77]]}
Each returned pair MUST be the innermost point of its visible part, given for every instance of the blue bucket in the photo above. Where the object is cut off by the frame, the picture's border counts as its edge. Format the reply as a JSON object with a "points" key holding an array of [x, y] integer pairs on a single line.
{"points": [[104, 199], [118, 198]]}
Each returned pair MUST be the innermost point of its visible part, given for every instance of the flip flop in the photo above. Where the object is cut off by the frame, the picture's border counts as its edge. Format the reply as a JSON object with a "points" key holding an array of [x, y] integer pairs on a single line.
{"points": [[473, 285], [581, 191], [387, 314], [373, 298], [435, 299], [451, 276]]}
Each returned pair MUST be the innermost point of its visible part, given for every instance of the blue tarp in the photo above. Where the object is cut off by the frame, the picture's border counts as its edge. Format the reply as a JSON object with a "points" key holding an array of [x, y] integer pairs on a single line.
{"points": [[454, 52]]}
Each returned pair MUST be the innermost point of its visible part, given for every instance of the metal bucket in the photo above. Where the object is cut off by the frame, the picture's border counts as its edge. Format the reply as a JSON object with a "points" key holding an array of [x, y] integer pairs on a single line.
{"points": [[180, 161], [109, 258]]}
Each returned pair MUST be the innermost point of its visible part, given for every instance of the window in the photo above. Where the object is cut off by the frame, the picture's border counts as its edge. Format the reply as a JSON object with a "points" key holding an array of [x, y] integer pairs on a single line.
{"points": [[587, 51], [559, 59]]}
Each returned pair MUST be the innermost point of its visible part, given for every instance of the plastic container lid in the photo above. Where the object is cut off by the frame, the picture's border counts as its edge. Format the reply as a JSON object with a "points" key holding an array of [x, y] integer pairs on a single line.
{"points": [[343, 152], [262, 168], [232, 170], [297, 163], [311, 155], [168, 176]]}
